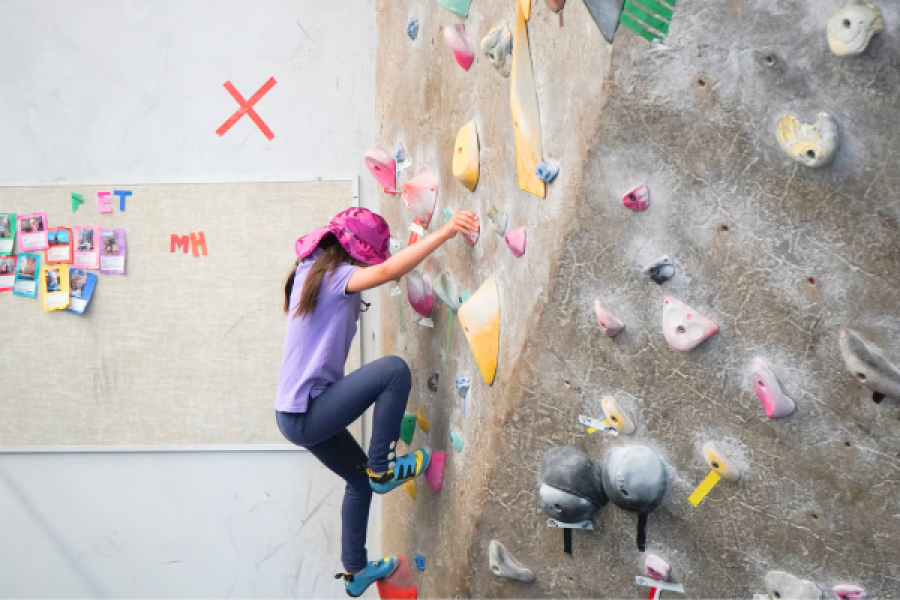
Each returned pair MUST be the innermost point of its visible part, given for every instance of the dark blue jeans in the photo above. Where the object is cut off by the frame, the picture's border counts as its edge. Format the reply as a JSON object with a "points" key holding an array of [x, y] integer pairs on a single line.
{"points": [[322, 430]]}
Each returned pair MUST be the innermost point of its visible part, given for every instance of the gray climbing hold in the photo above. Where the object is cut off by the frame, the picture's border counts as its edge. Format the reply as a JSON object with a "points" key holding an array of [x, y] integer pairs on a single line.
{"points": [[433, 382], [503, 564], [571, 485], [412, 28], [784, 586], [546, 171], [634, 478], [462, 384], [497, 46], [446, 291], [661, 270], [869, 365], [498, 220], [606, 15]]}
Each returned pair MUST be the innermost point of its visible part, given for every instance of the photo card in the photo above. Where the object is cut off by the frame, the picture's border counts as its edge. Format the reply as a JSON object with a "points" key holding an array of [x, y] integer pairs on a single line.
{"points": [[32, 231], [7, 232], [59, 246], [87, 247], [27, 271], [112, 251], [81, 288], [7, 272], [55, 286]]}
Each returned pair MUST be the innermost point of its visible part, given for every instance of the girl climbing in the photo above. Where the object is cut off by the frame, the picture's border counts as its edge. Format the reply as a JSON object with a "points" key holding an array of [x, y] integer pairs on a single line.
{"points": [[316, 403]]}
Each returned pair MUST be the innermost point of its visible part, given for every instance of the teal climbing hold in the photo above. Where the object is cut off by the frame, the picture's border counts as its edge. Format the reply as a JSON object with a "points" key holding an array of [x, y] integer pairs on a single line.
{"points": [[460, 7], [408, 428], [457, 441]]}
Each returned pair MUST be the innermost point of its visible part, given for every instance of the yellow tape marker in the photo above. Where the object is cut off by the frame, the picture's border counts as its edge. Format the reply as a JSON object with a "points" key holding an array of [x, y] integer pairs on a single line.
{"points": [[595, 430], [703, 489]]}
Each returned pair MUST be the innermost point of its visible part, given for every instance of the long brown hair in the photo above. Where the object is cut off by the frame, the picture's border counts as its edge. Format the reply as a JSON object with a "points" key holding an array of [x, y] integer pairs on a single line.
{"points": [[327, 263]]}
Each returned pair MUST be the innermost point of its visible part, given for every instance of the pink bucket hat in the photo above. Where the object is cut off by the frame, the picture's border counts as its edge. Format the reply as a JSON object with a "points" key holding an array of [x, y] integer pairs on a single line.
{"points": [[362, 233]]}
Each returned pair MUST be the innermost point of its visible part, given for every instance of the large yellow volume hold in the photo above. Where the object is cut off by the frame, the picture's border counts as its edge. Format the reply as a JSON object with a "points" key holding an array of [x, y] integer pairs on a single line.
{"points": [[480, 318], [524, 107], [465, 156]]}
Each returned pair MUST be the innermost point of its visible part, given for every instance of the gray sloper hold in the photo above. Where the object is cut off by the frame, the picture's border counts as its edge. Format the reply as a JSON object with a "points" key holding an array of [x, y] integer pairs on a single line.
{"points": [[784, 586], [606, 15], [571, 485], [661, 270], [503, 564], [869, 365], [634, 478]]}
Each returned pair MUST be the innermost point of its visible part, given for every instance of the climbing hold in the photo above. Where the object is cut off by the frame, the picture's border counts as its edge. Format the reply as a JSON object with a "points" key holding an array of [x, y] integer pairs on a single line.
{"points": [[616, 416], [433, 381], [657, 568], [850, 592], [422, 420], [471, 240], [497, 46], [400, 585], [546, 171], [524, 107], [811, 145], [395, 246], [480, 318], [419, 559], [781, 585], [457, 441], [637, 199], [498, 220], [720, 463], [460, 7], [462, 385], [525, 7], [420, 195], [503, 564], [556, 5], [412, 28], [445, 290], [458, 40], [635, 479], [776, 403], [383, 167], [434, 472], [608, 323], [408, 428], [515, 239], [420, 292], [661, 270], [684, 327], [648, 19], [606, 15], [465, 156], [571, 485], [851, 28], [464, 296], [410, 487], [869, 364]]}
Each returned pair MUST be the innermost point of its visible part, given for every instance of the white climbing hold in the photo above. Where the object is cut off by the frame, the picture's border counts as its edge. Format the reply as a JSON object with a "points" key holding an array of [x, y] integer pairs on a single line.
{"points": [[852, 27], [657, 568], [776, 403], [684, 327], [811, 145], [503, 564], [869, 365], [616, 416], [608, 323], [784, 586], [720, 463]]}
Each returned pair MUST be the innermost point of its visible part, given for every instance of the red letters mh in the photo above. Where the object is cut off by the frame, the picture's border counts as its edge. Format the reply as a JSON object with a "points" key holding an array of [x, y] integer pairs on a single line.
{"points": [[196, 242]]}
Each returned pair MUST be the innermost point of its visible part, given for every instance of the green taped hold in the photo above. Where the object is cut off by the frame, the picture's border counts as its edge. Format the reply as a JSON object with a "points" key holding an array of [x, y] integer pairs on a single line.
{"points": [[646, 18], [655, 7], [408, 428], [456, 440], [629, 22], [460, 7]]}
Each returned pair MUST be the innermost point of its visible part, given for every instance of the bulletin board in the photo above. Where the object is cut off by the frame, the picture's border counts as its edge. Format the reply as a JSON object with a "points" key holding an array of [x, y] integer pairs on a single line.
{"points": [[180, 350]]}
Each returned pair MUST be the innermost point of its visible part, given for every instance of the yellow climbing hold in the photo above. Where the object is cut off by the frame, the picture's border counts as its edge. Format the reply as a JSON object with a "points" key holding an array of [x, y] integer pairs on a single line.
{"points": [[523, 104], [410, 487], [422, 420], [465, 156], [525, 6], [480, 318]]}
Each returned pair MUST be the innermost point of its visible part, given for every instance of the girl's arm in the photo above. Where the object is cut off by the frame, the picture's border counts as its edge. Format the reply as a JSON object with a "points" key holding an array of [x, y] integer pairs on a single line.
{"points": [[406, 260]]}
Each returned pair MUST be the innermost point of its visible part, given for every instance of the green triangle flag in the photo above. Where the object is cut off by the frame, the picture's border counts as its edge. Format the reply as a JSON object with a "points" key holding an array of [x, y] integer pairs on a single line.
{"points": [[77, 201]]}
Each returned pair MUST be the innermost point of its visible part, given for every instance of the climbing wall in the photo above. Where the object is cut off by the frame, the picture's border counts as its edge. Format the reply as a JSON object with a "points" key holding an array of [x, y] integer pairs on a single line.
{"points": [[780, 255]]}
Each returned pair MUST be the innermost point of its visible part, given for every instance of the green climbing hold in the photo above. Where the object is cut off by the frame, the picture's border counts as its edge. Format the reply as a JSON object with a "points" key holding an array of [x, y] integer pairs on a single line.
{"points": [[456, 440], [645, 16], [460, 7], [408, 428]]}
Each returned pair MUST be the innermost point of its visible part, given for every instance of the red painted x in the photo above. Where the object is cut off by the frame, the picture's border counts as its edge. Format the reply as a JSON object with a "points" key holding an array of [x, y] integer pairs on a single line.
{"points": [[247, 108]]}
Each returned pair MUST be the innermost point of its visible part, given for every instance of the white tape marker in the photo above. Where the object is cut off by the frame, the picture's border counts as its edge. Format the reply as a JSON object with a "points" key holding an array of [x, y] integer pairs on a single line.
{"points": [[417, 229], [662, 585], [587, 525], [597, 425]]}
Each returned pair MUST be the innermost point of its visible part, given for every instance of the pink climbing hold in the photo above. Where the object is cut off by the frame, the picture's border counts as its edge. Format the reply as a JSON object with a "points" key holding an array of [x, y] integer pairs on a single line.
{"points": [[608, 323], [850, 592], [657, 568], [515, 239], [434, 473], [458, 40], [684, 327], [420, 195], [776, 403], [420, 292], [471, 240], [637, 199], [383, 167]]}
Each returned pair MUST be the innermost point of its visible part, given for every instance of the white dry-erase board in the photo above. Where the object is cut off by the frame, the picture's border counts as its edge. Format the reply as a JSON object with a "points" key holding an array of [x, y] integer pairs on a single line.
{"points": [[179, 350]]}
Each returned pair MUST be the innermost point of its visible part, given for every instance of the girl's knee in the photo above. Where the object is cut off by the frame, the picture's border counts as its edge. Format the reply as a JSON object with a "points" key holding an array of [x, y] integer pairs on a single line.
{"points": [[399, 370]]}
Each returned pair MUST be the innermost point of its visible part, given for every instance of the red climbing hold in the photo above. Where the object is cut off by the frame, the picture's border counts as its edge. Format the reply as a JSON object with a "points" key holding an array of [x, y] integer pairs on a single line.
{"points": [[400, 585], [383, 167]]}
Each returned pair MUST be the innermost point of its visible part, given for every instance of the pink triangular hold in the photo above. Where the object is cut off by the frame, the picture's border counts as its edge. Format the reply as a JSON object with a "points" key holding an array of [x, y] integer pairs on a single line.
{"points": [[683, 326], [458, 40], [434, 474], [383, 167], [420, 292], [637, 199], [420, 195], [515, 239]]}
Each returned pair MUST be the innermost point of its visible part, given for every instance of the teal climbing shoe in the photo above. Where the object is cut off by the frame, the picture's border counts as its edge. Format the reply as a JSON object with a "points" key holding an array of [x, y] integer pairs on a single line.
{"points": [[357, 583], [405, 468]]}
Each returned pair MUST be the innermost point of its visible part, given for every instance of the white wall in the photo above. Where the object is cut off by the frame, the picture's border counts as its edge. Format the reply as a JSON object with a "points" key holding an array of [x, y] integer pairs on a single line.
{"points": [[128, 91]]}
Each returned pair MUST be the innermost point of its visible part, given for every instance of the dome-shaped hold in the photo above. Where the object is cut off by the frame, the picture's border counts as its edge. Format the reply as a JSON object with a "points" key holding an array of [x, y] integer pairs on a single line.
{"points": [[870, 366], [503, 564], [637, 199], [661, 270], [497, 46], [776, 403], [480, 318], [616, 416], [634, 478], [382, 166], [852, 27], [850, 592], [420, 292], [684, 327], [465, 156], [458, 40], [420, 195], [657, 568], [515, 239], [608, 323], [784, 586], [571, 485], [720, 463], [811, 145]]}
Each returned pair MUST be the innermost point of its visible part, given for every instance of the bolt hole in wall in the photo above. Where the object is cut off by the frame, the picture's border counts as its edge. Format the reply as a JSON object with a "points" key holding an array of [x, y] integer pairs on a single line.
{"points": [[811, 153], [812, 281], [724, 228], [770, 60]]}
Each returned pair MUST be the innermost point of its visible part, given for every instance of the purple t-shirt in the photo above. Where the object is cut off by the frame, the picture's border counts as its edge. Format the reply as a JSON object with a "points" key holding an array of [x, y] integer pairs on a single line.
{"points": [[316, 347]]}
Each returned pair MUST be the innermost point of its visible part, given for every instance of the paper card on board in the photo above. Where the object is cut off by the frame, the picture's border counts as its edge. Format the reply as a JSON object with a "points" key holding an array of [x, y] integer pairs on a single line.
{"points": [[27, 271], [81, 288], [87, 247], [7, 232], [59, 246], [32, 231], [112, 251], [55, 286], [7, 272]]}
